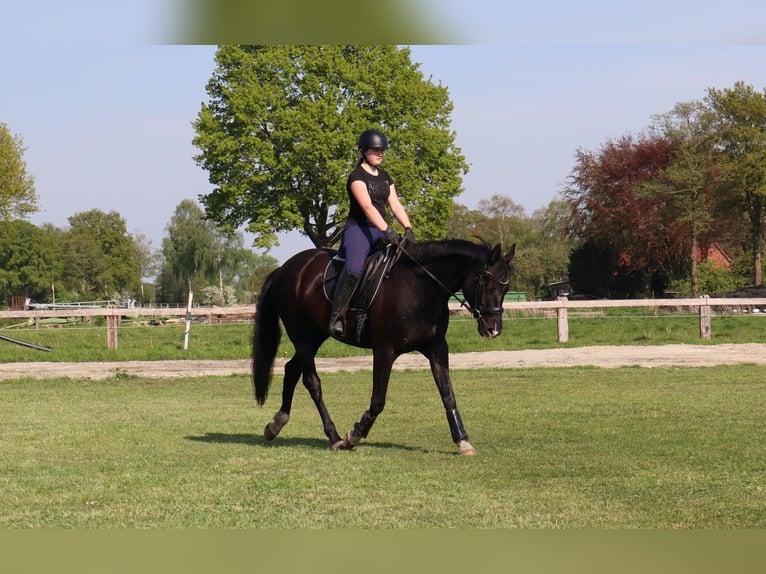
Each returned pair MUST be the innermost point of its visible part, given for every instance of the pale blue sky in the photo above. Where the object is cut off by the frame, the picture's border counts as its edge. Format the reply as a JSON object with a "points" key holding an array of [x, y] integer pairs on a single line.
{"points": [[106, 116]]}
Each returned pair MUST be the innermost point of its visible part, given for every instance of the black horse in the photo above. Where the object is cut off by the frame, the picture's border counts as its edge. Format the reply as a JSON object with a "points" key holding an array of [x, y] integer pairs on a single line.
{"points": [[409, 313]]}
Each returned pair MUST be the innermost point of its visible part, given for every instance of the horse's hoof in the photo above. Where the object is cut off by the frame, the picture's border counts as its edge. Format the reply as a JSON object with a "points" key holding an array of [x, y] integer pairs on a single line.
{"points": [[466, 449], [340, 445], [275, 426], [350, 441]]}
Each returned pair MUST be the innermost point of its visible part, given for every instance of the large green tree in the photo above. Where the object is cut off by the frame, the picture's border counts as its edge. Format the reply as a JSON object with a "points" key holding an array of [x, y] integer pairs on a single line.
{"points": [[31, 261], [18, 197], [101, 255], [278, 136], [741, 133], [189, 253], [688, 184]]}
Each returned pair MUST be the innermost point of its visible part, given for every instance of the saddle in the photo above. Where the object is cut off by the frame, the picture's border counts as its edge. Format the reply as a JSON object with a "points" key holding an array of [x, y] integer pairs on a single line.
{"points": [[376, 269]]}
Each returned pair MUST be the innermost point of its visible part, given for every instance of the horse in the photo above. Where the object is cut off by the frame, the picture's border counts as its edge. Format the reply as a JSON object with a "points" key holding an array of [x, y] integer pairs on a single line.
{"points": [[409, 313]]}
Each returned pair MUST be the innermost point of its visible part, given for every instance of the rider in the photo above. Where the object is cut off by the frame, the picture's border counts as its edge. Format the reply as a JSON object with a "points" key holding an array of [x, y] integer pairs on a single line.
{"points": [[369, 189]]}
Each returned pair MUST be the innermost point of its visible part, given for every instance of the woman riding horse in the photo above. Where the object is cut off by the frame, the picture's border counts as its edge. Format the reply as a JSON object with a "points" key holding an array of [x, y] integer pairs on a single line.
{"points": [[409, 313]]}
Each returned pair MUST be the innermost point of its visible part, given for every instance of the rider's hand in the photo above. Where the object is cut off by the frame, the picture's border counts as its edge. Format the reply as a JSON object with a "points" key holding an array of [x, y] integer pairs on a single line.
{"points": [[409, 235], [391, 236]]}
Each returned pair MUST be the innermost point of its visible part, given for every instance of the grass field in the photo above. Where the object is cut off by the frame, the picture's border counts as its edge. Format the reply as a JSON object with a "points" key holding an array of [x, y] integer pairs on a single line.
{"points": [[558, 449], [568, 448]]}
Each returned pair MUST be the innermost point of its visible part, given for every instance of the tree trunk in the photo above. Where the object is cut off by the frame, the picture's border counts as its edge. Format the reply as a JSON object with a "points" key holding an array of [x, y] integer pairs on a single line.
{"points": [[694, 279], [756, 239], [756, 223]]}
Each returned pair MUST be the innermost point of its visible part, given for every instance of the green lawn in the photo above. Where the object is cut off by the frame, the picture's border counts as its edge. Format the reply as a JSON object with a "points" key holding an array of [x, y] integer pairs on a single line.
{"points": [[558, 449]]}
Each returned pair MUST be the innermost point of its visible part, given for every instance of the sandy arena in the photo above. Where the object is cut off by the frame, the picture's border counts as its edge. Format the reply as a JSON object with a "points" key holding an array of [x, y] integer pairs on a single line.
{"points": [[601, 356]]}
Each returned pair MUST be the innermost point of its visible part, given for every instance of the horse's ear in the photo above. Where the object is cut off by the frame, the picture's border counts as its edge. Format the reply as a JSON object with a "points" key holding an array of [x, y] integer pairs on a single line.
{"points": [[495, 255], [511, 252]]}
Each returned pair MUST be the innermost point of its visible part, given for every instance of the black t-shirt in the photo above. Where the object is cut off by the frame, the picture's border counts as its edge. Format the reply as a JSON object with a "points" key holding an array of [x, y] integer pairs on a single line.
{"points": [[379, 188]]}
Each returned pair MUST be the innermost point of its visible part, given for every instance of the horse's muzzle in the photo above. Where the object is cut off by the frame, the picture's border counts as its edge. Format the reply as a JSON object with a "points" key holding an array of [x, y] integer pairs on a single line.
{"points": [[490, 327], [491, 333]]}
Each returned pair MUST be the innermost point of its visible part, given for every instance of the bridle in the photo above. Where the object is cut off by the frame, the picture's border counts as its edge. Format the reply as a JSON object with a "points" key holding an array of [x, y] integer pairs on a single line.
{"points": [[480, 283]]}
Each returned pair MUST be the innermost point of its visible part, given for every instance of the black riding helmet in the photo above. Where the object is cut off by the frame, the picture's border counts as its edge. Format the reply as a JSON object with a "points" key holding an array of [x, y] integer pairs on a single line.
{"points": [[372, 138]]}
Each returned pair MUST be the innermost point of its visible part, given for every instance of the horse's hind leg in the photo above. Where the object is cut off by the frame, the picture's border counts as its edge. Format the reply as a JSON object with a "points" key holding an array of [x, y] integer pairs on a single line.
{"points": [[282, 416], [314, 386]]}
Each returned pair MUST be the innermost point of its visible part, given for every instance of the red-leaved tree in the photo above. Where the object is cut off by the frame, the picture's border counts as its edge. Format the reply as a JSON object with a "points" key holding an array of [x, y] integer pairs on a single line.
{"points": [[611, 208]]}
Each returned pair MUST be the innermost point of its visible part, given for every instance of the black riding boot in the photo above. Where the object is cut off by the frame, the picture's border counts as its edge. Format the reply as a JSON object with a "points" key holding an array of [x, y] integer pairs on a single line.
{"points": [[347, 284]]}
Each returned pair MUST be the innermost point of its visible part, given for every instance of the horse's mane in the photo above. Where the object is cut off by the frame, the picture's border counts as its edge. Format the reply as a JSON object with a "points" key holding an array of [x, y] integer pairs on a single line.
{"points": [[426, 251]]}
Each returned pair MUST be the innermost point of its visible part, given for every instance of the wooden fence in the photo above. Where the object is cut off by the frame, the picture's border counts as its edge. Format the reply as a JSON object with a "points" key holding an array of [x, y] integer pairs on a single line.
{"points": [[114, 315], [705, 306]]}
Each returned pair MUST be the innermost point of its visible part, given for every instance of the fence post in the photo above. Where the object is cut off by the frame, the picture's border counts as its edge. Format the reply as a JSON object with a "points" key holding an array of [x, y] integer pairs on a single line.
{"points": [[563, 322], [112, 323], [705, 329]]}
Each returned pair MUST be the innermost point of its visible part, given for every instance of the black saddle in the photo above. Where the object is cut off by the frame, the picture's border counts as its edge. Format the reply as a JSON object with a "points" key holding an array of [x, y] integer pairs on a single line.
{"points": [[376, 269]]}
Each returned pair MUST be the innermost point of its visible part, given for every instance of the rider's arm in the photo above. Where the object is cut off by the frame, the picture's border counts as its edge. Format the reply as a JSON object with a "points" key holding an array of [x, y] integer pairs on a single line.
{"points": [[397, 208]]}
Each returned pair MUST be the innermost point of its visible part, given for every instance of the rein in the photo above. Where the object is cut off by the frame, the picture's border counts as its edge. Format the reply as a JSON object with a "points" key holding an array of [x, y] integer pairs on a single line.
{"points": [[479, 281]]}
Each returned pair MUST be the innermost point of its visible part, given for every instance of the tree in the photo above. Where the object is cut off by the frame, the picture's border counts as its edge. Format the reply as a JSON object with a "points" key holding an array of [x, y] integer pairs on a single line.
{"points": [[101, 255], [251, 273], [147, 259], [241, 270], [31, 261], [278, 135], [215, 265], [592, 269], [689, 182], [17, 188], [551, 247], [741, 134], [542, 245], [189, 252], [505, 221], [610, 209], [464, 222]]}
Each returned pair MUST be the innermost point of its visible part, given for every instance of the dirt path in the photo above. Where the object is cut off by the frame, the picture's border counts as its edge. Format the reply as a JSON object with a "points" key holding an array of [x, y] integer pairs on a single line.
{"points": [[602, 356]]}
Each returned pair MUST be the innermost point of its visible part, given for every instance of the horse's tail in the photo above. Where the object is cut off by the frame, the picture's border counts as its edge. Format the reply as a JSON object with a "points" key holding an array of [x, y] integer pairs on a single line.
{"points": [[266, 336]]}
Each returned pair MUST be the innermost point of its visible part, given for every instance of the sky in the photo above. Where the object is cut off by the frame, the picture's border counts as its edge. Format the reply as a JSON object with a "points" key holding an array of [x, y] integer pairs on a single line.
{"points": [[104, 102]]}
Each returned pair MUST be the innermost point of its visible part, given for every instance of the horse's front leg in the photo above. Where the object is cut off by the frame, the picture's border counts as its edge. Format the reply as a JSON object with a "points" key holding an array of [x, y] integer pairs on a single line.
{"points": [[381, 374], [438, 358]]}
